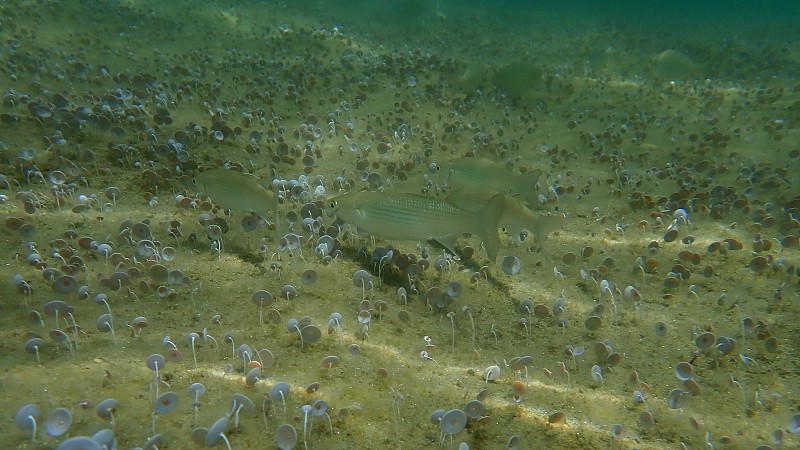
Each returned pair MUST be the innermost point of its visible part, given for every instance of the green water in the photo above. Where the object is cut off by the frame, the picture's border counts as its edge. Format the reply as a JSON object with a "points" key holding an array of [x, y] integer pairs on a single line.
{"points": [[628, 123]]}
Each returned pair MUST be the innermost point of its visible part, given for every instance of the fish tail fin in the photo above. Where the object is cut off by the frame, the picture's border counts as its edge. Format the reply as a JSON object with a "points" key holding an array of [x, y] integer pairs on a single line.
{"points": [[526, 185], [488, 219]]}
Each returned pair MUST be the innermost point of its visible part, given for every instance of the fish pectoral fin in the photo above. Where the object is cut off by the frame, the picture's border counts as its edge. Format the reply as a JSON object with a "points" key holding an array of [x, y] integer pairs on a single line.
{"points": [[455, 194], [359, 212], [448, 242], [488, 220], [263, 215]]}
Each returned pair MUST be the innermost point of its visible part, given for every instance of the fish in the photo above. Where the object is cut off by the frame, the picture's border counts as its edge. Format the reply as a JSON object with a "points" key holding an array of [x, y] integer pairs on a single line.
{"points": [[234, 190], [516, 216], [414, 217], [495, 176]]}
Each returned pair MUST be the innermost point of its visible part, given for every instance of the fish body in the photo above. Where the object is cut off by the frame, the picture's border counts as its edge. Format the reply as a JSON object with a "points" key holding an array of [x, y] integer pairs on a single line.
{"points": [[494, 176], [238, 191], [674, 65], [415, 217], [516, 216]]}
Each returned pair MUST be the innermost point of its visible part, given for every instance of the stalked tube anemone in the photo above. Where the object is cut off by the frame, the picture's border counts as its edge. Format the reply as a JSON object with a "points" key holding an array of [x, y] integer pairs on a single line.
{"points": [[195, 391], [280, 389], [26, 418]]}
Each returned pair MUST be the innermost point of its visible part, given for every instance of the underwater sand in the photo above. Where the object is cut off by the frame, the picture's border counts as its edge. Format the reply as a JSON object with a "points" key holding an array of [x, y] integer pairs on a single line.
{"points": [[622, 148]]}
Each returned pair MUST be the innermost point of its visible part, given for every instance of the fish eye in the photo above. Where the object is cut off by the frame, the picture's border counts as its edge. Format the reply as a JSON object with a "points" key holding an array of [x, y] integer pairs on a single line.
{"points": [[332, 204]]}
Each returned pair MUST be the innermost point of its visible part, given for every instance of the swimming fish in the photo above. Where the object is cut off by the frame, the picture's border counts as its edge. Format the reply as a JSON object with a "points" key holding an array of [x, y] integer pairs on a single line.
{"points": [[483, 173], [516, 216], [415, 217], [234, 190]]}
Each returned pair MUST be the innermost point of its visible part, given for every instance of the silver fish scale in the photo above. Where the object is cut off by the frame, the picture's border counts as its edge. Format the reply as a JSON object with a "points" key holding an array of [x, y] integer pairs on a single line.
{"points": [[404, 216]]}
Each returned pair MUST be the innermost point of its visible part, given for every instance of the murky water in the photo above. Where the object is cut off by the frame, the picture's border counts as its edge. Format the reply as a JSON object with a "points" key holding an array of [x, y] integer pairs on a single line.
{"points": [[663, 313]]}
